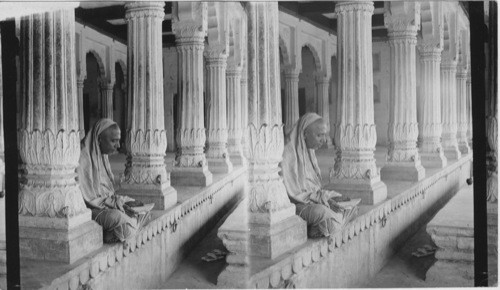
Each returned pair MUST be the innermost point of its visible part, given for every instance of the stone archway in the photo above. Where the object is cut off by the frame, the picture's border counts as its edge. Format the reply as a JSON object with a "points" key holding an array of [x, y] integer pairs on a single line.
{"points": [[120, 102], [307, 82], [92, 90]]}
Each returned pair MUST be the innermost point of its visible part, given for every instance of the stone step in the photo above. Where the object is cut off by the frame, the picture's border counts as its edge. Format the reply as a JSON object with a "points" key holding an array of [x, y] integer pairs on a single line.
{"points": [[466, 256]]}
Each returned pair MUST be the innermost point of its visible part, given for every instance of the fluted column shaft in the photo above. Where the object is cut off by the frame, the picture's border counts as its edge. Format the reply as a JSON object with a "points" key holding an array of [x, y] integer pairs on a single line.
{"points": [[403, 159], [190, 163], [107, 101], [291, 99], [217, 154], [266, 217], [355, 172], [50, 201], [462, 117], [449, 109], [234, 118], [81, 117], [244, 109], [430, 103], [469, 109], [145, 176]]}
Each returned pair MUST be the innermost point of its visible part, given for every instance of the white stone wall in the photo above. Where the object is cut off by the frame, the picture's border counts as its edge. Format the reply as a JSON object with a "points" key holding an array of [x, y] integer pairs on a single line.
{"points": [[381, 89]]}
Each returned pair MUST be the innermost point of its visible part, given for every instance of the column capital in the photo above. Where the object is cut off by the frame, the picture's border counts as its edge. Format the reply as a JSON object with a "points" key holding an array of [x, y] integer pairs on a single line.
{"points": [[215, 53], [144, 9], [189, 22], [232, 71], [291, 72], [402, 19], [347, 7], [322, 80], [430, 49], [107, 86], [462, 72], [447, 64]]}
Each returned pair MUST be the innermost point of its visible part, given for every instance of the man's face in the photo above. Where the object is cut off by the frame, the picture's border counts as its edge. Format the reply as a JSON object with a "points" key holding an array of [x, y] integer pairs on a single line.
{"points": [[315, 135], [109, 141]]}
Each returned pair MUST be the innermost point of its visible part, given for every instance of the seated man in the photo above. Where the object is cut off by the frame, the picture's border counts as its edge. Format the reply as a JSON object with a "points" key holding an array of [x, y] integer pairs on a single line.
{"points": [[97, 184], [302, 178]]}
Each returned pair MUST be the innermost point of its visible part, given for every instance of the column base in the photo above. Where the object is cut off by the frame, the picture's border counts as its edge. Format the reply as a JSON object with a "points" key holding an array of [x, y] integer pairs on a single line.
{"points": [[407, 171], [190, 176], [369, 191], [434, 159], [162, 196], [452, 153], [267, 240], [56, 244], [219, 165]]}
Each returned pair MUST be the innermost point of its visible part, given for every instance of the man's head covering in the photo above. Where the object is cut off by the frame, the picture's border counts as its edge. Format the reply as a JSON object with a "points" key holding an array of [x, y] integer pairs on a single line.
{"points": [[300, 170], [94, 172]]}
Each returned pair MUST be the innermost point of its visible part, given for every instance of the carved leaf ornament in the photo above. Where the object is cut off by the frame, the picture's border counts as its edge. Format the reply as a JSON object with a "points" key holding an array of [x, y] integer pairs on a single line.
{"points": [[356, 137], [266, 144], [48, 149], [149, 142]]}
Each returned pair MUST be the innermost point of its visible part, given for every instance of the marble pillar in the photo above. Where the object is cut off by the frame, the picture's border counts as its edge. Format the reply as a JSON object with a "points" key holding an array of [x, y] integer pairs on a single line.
{"points": [[462, 117], [234, 118], [449, 109], [81, 118], [469, 110], [190, 28], [145, 177], [403, 159], [355, 173], [244, 109], [431, 150], [291, 99], [265, 224], [216, 153], [322, 86], [54, 223], [107, 100]]}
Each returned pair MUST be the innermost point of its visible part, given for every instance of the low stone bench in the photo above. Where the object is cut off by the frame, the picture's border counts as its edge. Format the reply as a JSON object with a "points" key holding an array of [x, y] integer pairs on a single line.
{"points": [[452, 230]]}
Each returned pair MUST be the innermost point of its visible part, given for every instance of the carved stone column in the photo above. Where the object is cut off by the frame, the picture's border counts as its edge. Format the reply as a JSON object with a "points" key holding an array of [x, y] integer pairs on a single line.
{"points": [[217, 155], [291, 99], [81, 118], [322, 84], [431, 150], [355, 172], [107, 100], [264, 224], [189, 24], [146, 177], [244, 108], [469, 110], [234, 118], [54, 223], [462, 116], [449, 109], [403, 159]]}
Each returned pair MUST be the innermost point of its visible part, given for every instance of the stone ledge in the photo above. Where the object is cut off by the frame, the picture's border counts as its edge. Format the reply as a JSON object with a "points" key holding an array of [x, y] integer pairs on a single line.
{"points": [[84, 271], [283, 271]]}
